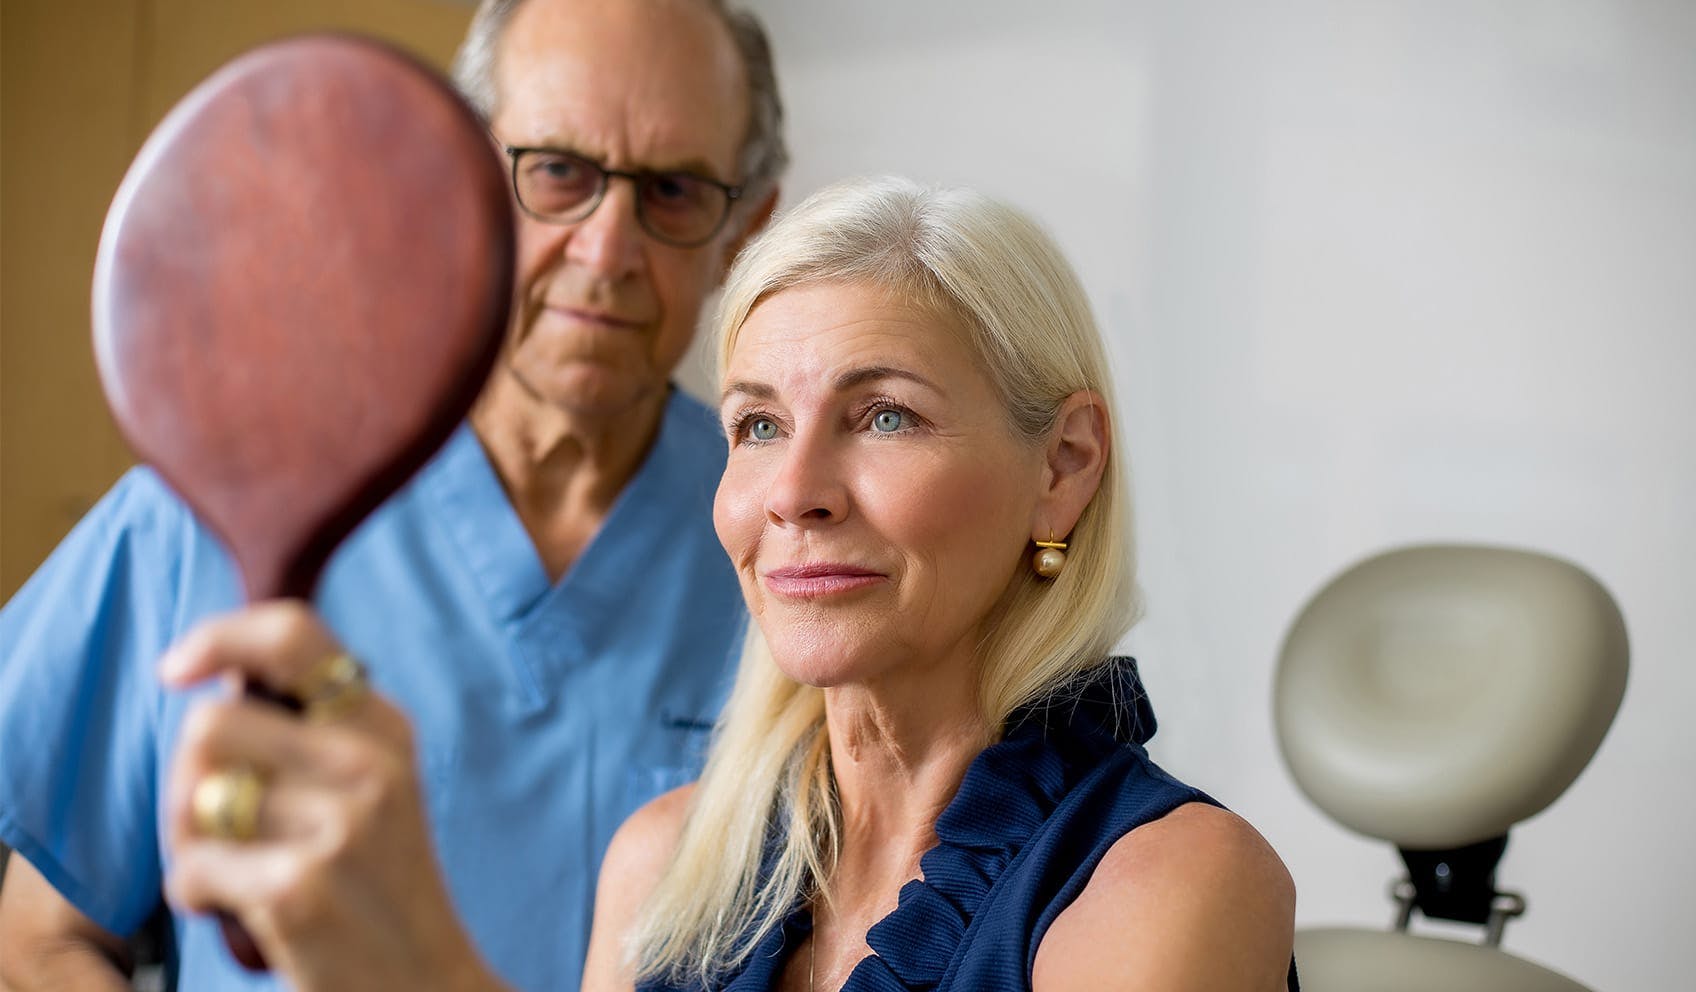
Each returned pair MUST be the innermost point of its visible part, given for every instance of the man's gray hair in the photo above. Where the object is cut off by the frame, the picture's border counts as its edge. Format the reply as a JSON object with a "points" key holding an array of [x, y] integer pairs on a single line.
{"points": [[763, 157]]}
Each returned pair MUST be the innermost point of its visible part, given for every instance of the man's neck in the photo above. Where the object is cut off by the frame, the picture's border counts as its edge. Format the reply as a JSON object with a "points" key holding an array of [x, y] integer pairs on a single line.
{"points": [[562, 469]]}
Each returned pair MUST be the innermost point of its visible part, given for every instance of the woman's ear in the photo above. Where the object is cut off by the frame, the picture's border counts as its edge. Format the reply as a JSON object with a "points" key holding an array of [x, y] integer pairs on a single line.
{"points": [[1075, 455]]}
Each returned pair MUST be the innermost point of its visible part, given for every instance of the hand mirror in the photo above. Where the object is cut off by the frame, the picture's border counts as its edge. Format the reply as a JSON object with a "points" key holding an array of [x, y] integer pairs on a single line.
{"points": [[302, 284]]}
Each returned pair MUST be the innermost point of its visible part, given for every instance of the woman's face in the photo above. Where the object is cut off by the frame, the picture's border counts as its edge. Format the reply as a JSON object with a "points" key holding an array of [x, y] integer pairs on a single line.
{"points": [[876, 502]]}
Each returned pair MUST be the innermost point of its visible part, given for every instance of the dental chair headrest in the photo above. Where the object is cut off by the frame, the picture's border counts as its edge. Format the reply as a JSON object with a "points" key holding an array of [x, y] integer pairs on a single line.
{"points": [[1434, 696]]}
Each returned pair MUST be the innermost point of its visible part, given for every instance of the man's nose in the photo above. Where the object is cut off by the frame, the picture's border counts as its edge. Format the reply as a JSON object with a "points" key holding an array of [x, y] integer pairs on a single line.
{"points": [[609, 242], [808, 488]]}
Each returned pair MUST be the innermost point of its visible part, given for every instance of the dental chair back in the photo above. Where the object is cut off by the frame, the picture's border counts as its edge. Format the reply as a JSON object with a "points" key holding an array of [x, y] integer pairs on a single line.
{"points": [[1434, 697]]}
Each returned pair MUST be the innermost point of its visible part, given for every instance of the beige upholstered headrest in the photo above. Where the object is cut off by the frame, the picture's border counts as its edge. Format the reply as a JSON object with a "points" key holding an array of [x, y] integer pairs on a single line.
{"points": [[1435, 696]]}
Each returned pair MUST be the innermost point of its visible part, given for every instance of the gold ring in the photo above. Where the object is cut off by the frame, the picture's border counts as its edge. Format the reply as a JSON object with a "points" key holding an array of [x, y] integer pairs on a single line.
{"points": [[226, 804], [333, 688]]}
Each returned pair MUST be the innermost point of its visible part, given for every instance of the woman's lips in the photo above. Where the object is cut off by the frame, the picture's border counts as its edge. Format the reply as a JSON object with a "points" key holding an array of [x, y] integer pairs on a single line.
{"points": [[816, 580]]}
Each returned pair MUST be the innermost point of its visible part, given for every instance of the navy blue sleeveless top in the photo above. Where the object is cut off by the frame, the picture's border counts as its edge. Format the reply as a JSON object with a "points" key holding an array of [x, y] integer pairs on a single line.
{"points": [[1035, 814]]}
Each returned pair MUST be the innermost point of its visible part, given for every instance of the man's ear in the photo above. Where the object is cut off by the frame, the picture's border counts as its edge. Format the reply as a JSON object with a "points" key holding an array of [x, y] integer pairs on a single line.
{"points": [[757, 220], [1075, 456]]}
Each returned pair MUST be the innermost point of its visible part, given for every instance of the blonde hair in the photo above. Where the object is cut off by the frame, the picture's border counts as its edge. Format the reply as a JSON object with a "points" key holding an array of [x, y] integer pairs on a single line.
{"points": [[763, 827]]}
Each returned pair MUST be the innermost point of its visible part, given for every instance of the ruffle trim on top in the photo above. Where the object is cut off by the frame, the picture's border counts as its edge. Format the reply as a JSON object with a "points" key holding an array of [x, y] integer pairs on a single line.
{"points": [[1008, 793]]}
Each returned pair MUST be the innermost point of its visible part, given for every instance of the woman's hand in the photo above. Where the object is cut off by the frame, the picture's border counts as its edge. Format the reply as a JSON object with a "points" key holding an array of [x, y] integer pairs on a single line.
{"points": [[338, 882]]}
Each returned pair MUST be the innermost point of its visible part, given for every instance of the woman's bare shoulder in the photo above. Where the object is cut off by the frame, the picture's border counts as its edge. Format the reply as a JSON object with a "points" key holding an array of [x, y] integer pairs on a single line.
{"points": [[634, 862], [643, 844], [1194, 900]]}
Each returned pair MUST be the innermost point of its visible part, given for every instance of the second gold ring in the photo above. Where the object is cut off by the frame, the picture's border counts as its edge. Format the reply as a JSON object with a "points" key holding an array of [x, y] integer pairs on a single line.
{"points": [[226, 804]]}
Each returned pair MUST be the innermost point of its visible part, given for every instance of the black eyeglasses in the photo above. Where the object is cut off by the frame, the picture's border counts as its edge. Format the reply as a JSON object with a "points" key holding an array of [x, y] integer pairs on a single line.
{"points": [[679, 208]]}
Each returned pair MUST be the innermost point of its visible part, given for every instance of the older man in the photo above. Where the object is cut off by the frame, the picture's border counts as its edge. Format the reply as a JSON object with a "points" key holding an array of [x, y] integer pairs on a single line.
{"points": [[546, 600]]}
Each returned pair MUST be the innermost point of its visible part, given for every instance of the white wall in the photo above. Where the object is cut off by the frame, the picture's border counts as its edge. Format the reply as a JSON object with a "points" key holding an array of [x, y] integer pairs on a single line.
{"points": [[1371, 273]]}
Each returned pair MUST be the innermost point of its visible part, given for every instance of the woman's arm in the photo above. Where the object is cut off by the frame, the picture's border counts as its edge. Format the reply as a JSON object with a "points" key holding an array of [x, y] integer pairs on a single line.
{"points": [[632, 867], [1196, 900]]}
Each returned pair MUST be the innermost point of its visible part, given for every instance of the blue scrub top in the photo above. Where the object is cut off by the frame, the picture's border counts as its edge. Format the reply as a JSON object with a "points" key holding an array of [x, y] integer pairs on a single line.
{"points": [[544, 714]]}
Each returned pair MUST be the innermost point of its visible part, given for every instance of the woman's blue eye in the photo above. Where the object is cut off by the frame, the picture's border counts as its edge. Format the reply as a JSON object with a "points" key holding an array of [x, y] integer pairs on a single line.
{"points": [[888, 421], [762, 429]]}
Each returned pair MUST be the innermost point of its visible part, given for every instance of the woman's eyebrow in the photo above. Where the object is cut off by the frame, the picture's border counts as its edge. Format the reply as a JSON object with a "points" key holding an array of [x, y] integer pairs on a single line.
{"points": [[873, 373], [747, 387], [844, 380]]}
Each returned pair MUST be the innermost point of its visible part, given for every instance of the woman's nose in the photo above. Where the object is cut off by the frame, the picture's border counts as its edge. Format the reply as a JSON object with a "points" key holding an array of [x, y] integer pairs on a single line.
{"points": [[808, 486]]}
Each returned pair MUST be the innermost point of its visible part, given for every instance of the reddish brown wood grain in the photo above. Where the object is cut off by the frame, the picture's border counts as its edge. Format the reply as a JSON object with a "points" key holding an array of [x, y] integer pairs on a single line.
{"points": [[301, 287]]}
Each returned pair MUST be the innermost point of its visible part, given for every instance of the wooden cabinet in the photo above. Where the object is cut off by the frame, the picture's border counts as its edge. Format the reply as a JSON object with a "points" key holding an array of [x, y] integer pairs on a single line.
{"points": [[82, 82]]}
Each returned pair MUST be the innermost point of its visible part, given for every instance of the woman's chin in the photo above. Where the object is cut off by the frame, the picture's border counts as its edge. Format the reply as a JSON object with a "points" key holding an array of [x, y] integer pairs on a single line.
{"points": [[825, 652], [824, 671], [818, 676]]}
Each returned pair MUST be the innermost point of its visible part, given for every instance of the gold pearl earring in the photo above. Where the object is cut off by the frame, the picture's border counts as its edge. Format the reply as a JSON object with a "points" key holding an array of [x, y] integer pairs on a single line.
{"points": [[1050, 557]]}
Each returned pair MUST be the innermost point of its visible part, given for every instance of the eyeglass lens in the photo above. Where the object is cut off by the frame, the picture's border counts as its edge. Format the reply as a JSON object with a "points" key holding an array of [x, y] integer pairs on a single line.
{"points": [[672, 206]]}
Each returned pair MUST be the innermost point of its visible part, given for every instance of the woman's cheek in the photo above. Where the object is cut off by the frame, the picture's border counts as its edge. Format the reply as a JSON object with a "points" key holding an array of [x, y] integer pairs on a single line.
{"points": [[737, 512]]}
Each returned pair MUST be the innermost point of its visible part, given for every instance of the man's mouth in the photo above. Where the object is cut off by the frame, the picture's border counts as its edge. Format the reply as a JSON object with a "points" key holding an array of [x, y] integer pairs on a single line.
{"points": [[598, 318]]}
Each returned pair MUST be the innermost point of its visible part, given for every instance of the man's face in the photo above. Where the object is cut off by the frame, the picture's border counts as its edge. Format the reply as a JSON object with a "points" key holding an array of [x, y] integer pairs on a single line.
{"points": [[605, 311]]}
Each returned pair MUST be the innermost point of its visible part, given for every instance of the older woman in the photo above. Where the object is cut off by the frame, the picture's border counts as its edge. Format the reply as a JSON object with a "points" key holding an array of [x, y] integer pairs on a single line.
{"points": [[931, 772]]}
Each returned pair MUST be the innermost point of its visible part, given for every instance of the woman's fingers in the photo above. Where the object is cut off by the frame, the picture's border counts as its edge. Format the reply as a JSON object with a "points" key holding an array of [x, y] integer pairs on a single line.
{"points": [[310, 825], [228, 875], [283, 646], [277, 643], [281, 895], [243, 757], [327, 920], [290, 758], [316, 817]]}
